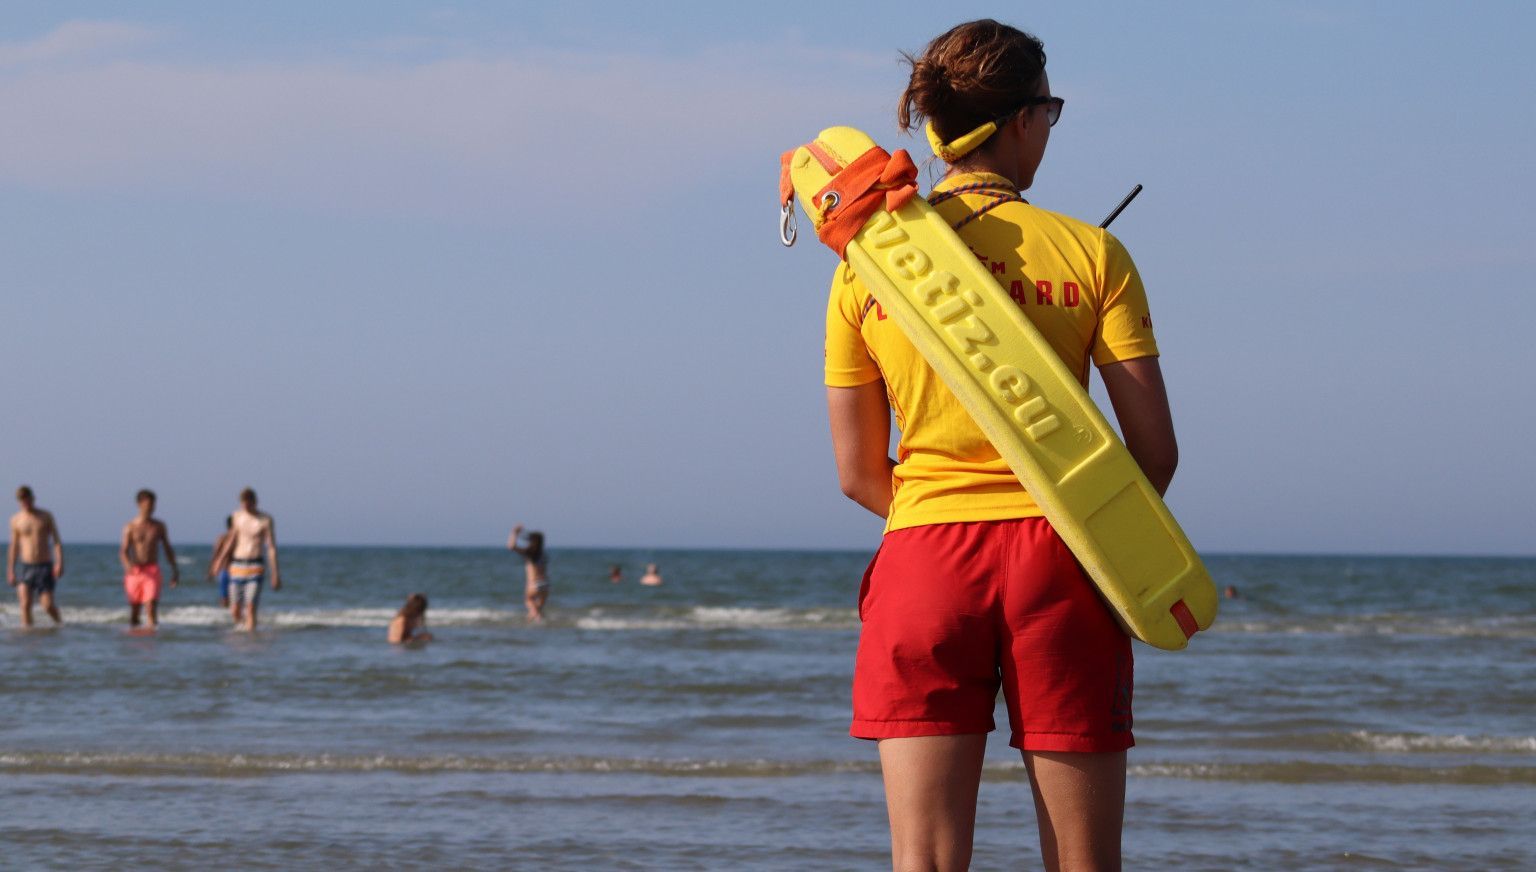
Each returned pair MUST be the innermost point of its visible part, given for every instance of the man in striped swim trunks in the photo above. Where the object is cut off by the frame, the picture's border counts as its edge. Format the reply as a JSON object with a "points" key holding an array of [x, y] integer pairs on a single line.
{"points": [[246, 555]]}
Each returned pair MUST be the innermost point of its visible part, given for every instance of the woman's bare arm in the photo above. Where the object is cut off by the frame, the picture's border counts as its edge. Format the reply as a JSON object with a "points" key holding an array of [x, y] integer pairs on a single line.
{"points": [[861, 440], [1140, 398]]}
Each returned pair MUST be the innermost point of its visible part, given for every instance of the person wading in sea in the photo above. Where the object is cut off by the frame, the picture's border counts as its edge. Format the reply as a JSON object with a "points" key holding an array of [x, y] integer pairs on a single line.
{"points": [[28, 565], [143, 537], [972, 590], [246, 555]]}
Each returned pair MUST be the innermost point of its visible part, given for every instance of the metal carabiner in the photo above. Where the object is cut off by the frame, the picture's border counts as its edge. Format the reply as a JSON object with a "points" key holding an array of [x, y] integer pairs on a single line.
{"points": [[787, 231]]}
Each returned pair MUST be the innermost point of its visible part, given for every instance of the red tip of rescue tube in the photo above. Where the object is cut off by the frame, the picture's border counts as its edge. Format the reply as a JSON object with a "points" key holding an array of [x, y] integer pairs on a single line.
{"points": [[1187, 621]]}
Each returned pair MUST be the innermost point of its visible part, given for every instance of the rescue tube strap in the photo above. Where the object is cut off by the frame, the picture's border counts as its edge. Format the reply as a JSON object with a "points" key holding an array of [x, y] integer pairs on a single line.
{"points": [[875, 179]]}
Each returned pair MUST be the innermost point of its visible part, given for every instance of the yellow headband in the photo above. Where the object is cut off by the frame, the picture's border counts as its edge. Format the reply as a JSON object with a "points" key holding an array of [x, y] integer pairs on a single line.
{"points": [[949, 152]]}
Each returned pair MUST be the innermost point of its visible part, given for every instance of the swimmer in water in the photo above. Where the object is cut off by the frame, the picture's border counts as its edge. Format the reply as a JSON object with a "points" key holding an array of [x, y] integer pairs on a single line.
{"points": [[222, 575], [615, 573], [248, 554], [34, 558], [406, 627], [652, 576], [536, 565], [143, 538]]}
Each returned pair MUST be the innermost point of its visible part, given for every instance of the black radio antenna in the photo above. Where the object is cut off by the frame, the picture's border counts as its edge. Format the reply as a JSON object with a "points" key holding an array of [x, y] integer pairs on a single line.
{"points": [[1121, 208]]}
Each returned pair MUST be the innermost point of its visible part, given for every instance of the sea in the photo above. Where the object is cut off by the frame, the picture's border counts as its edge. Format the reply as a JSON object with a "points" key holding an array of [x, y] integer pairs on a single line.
{"points": [[1344, 713]]}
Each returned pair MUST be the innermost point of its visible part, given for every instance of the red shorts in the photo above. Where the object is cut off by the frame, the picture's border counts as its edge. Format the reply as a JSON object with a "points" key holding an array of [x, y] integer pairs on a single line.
{"points": [[952, 611], [142, 584]]}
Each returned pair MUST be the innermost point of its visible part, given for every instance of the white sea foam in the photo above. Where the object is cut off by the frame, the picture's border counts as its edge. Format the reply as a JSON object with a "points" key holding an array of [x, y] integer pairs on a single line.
{"points": [[1479, 627], [215, 764], [213, 616], [684, 618], [1417, 743], [721, 617]]}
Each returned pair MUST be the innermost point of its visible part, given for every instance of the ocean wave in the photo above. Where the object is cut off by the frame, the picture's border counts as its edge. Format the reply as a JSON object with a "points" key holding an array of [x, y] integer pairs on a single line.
{"points": [[1385, 743], [1310, 772], [596, 618], [721, 617], [1453, 744], [716, 617], [1388, 624], [217, 765], [213, 616], [237, 765]]}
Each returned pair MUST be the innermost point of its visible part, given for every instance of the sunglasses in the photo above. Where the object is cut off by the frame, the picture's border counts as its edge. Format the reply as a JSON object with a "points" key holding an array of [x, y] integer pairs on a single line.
{"points": [[1052, 108]]}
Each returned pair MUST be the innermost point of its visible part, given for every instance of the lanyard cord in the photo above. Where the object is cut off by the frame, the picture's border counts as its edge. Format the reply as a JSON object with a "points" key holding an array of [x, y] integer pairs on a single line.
{"points": [[998, 193]]}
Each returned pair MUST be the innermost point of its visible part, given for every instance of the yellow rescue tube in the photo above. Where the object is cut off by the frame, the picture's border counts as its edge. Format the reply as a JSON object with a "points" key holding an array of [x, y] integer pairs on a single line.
{"points": [[1029, 405]]}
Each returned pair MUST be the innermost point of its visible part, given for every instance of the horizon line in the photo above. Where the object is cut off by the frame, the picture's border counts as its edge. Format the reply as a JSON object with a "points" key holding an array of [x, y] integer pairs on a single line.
{"points": [[843, 550]]}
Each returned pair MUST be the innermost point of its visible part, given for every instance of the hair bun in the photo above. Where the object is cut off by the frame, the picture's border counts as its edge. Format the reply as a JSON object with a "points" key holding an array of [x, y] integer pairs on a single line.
{"points": [[971, 74]]}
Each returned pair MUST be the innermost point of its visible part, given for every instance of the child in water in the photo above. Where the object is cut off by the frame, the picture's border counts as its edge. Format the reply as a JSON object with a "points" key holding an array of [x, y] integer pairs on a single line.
{"points": [[408, 622], [536, 564]]}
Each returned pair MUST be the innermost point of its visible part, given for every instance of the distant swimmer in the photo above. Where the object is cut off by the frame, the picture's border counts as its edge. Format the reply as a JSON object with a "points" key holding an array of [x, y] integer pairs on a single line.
{"points": [[28, 567], [408, 622], [615, 573], [652, 576], [251, 545], [213, 570], [143, 537], [536, 564], [1230, 592]]}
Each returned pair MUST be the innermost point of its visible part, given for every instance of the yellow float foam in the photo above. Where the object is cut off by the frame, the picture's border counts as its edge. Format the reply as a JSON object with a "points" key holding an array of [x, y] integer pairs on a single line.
{"points": [[1029, 405]]}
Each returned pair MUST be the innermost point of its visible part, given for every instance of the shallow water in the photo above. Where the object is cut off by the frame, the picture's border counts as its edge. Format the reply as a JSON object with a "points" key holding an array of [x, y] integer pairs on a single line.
{"points": [[1344, 713]]}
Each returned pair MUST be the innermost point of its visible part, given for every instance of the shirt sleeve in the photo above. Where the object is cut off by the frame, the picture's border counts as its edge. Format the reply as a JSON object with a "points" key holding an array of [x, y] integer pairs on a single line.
{"points": [[1125, 319], [848, 363]]}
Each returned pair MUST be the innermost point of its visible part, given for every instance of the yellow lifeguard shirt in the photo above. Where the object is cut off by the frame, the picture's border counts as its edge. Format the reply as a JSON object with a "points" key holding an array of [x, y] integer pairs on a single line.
{"points": [[1074, 281]]}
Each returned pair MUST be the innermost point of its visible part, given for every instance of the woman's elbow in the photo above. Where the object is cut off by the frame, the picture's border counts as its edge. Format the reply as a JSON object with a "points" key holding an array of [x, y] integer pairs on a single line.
{"points": [[860, 485], [851, 486], [1159, 465]]}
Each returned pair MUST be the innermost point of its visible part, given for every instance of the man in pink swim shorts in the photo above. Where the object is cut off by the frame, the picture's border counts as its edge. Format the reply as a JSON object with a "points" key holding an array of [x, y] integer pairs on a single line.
{"points": [[143, 538]]}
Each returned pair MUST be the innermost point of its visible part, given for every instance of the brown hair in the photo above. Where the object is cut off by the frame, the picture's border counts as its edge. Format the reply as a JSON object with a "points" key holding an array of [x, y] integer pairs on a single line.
{"points": [[145, 494], [248, 496], [415, 606], [23, 493], [973, 73]]}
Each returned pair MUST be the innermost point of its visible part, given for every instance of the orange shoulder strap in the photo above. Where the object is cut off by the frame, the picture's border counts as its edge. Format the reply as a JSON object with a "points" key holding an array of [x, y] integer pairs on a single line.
{"points": [[874, 179]]}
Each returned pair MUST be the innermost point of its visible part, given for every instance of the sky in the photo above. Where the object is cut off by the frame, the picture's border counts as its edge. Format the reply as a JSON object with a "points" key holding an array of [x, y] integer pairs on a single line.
{"points": [[420, 271]]}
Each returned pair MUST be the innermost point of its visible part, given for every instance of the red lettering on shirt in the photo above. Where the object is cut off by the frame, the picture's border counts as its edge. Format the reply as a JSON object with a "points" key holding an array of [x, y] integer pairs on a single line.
{"points": [[871, 303], [1043, 292], [1069, 294], [997, 268], [1016, 291], [1146, 321]]}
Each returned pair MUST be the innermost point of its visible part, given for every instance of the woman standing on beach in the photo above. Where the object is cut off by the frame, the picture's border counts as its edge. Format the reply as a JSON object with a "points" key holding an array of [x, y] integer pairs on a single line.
{"points": [[536, 566], [971, 587]]}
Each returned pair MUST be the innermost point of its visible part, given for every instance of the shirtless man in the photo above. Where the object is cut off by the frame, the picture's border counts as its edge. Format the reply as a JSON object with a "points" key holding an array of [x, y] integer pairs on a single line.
{"points": [[252, 544], [143, 538], [27, 564]]}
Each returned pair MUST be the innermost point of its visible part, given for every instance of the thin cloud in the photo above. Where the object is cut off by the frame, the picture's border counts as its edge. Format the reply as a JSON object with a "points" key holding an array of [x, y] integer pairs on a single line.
{"points": [[76, 40], [472, 132]]}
